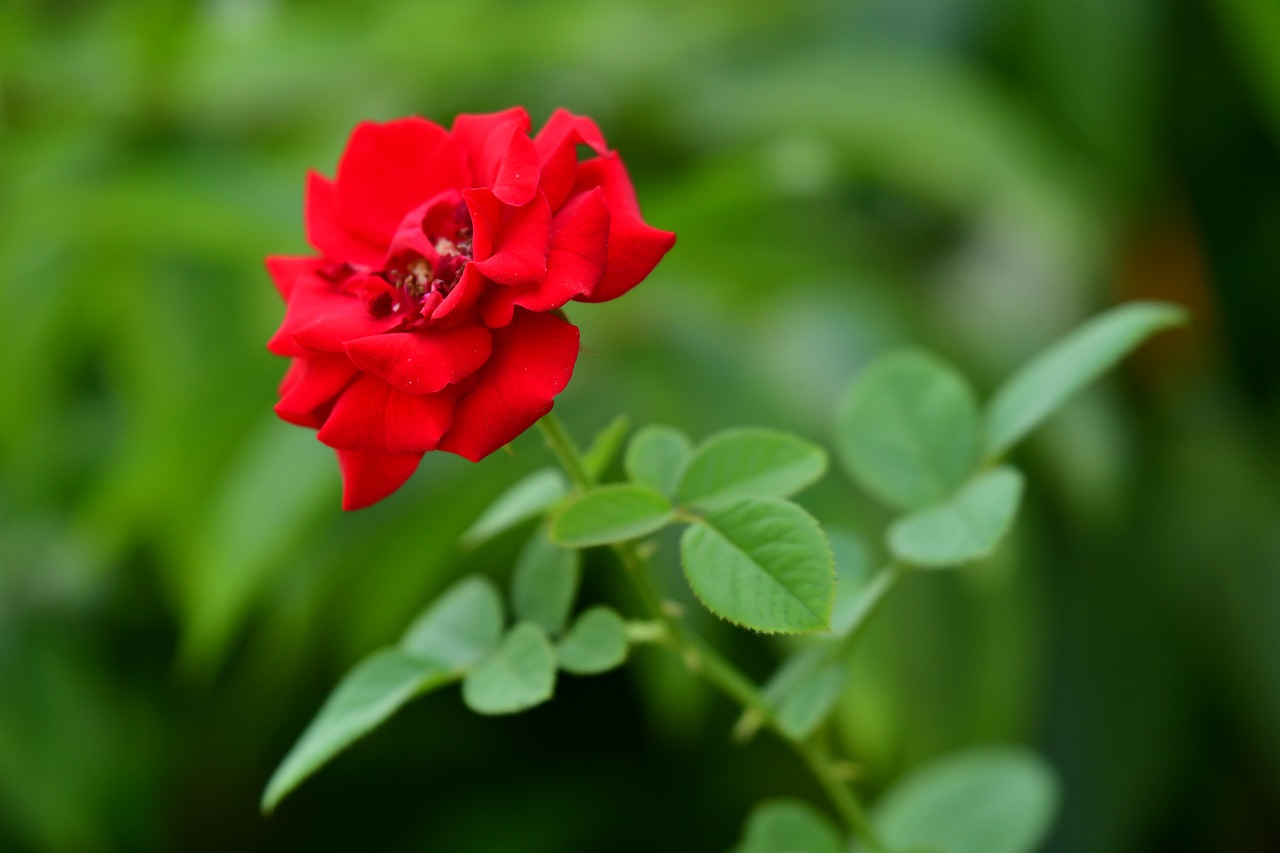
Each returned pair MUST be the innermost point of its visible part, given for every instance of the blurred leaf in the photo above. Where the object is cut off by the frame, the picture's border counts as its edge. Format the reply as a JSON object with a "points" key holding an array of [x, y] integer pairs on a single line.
{"points": [[378, 687], [788, 826], [519, 674], [656, 457], [762, 563], [596, 643], [853, 575], [604, 449], [966, 528], [749, 463], [805, 689], [611, 513], [984, 800], [907, 429], [545, 583], [460, 627], [1043, 384], [528, 498]]}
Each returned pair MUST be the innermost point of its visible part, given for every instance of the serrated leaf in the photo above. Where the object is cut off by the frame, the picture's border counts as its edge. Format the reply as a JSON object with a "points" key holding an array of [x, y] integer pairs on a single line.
{"points": [[656, 457], [460, 626], [983, 800], [1036, 390], [596, 643], [966, 528], [517, 675], [369, 694], [762, 563], [788, 826], [749, 463], [611, 513], [805, 689], [528, 498], [545, 583], [907, 429], [604, 449]]}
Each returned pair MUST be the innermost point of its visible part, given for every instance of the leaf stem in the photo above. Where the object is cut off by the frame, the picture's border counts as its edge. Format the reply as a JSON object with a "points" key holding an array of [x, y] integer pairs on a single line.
{"points": [[704, 660]]}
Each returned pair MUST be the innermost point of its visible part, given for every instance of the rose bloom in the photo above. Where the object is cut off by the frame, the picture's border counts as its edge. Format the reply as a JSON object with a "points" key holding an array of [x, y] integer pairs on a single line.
{"points": [[429, 318]]}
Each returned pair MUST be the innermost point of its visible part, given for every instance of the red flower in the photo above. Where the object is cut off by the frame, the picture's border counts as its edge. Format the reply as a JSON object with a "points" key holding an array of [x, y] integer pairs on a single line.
{"points": [[429, 319]]}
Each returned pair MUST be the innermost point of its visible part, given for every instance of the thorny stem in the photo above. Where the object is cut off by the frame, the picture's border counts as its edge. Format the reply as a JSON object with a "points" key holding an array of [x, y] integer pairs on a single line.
{"points": [[702, 659]]}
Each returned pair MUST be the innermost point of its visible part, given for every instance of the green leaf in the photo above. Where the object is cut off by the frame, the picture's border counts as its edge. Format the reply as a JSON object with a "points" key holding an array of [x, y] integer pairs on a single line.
{"points": [[604, 449], [966, 528], [656, 457], [749, 463], [596, 643], [460, 627], [369, 694], [519, 674], [529, 497], [545, 583], [854, 573], [762, 563], [805, 689], [788, 826], [907, 429], [991, 799], [1035, 391], [611, 513]]}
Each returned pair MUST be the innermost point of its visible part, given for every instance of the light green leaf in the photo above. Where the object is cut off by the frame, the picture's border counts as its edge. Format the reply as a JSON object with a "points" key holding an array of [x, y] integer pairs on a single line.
{"points": [[604, 449], [545, 583], [460, 627], [596, 643], [966, 528], [854, 572], [788, 826], [656, 457], [528, 498], [993, 799], [369, 694], [519, 674], [805, 689], [749, 463], [1036, 390], [907, 429], [762, 563], [611, 513]]}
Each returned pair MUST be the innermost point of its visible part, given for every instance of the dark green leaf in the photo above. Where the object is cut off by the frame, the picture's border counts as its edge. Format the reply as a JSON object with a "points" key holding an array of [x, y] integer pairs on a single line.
{"points": [[460, 627], [611, 513], [749, 463], [656, 457], [545, 583], [528, 498], [519, 674], [1036, 390], [596, 643], [907, 429], [365, 698], [762, 563], [966, 528]]}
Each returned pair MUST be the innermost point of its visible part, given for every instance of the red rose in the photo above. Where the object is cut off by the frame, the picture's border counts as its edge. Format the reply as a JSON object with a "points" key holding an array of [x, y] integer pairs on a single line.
{"points": [[429, 319]]}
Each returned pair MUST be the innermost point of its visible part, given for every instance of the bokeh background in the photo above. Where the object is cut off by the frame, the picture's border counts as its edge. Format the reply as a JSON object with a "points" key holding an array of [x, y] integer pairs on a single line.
{"points": [[179, 590]]}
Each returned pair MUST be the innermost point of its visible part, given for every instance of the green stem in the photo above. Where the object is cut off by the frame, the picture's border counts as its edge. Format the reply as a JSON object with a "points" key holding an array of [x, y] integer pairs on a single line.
{"points": [[704, 660]]}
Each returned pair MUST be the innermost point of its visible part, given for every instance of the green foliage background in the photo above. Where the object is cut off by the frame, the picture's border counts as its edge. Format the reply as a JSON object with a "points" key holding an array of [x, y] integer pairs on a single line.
{"points": [[178, 589]]}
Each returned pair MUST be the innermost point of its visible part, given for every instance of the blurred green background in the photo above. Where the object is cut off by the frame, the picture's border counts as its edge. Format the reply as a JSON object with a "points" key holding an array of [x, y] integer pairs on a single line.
{"points": [[179, 590]]}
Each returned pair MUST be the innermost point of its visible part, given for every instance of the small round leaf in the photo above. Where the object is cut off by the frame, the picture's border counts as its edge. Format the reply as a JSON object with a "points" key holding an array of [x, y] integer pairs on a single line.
{"points": [[519, 674], [596, 643], [788, 826], [545, 583], [656, 457], [966, 528]]}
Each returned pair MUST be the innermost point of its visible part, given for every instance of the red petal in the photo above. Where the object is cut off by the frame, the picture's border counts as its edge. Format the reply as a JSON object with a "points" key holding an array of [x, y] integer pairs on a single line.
{"points": [[369, 477], [579, 241], [389, 169], [309, 385], [634, 247], [422, 362], [371, 415], [463, 296], [557, 146], [532, 361], [510, 243], [502, 155], [326, 231], [285, 270]]}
